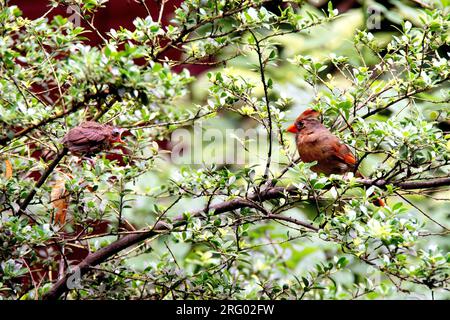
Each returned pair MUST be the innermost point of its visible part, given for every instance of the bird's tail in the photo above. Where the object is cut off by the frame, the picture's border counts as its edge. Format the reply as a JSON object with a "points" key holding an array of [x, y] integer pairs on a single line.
{"points": [[379, 202]]}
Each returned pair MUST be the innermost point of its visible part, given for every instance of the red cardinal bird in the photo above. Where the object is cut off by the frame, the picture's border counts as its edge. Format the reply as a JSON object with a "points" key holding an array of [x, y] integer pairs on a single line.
{"points": [[91, 137], [316, 143]]}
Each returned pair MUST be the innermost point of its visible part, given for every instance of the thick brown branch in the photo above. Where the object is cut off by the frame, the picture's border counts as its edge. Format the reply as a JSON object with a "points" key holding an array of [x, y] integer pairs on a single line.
{"points": [[410, 185], [103, 254]]}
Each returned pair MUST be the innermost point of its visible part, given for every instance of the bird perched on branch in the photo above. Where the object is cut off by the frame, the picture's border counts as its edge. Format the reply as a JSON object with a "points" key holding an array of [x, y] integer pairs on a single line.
{"points": [[316, 143], [91, 137]]}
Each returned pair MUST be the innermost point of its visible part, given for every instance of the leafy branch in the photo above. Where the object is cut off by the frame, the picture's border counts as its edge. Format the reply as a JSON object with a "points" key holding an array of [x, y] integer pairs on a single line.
{"points": [[159, 228]]}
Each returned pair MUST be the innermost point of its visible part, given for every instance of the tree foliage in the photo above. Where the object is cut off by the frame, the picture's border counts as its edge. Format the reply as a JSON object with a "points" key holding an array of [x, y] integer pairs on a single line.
{"points": [[149, 227]]}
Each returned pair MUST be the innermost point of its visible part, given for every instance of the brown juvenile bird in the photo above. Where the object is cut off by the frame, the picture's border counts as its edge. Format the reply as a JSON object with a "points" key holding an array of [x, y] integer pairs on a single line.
{"points": [[91, 137], [316, 143]]}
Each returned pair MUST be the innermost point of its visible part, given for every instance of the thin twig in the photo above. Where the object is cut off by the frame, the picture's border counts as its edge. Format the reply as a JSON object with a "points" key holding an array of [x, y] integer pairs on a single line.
{"points": [[421, 211], [269, 114]]}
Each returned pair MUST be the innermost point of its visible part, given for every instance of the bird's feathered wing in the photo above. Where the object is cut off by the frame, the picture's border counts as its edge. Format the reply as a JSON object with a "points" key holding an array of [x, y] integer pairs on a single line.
{"points": [[87, 137], [320, 145]]}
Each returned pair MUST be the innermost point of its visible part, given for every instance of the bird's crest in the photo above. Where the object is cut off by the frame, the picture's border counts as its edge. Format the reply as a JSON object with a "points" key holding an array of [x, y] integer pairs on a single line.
{"points": [[309, 114]]}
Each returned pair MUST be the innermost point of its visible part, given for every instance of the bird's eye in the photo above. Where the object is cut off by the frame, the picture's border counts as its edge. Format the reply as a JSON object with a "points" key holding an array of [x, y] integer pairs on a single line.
{"points": [[299, 125], [115, 132]]}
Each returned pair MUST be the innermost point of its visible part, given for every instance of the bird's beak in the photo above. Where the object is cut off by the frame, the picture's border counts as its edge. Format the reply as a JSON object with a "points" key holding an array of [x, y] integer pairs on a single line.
{"points": [[292, 128], [120, 136]]}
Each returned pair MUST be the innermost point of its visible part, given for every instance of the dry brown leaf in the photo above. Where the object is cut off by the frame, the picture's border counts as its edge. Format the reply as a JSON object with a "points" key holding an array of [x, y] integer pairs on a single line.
{"points": [[8, 169], [60, 201]]}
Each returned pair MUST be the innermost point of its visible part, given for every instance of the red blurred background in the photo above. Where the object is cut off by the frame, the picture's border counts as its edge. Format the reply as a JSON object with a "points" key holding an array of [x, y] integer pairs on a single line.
{"points": [[115, 14], [121, 13]]}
